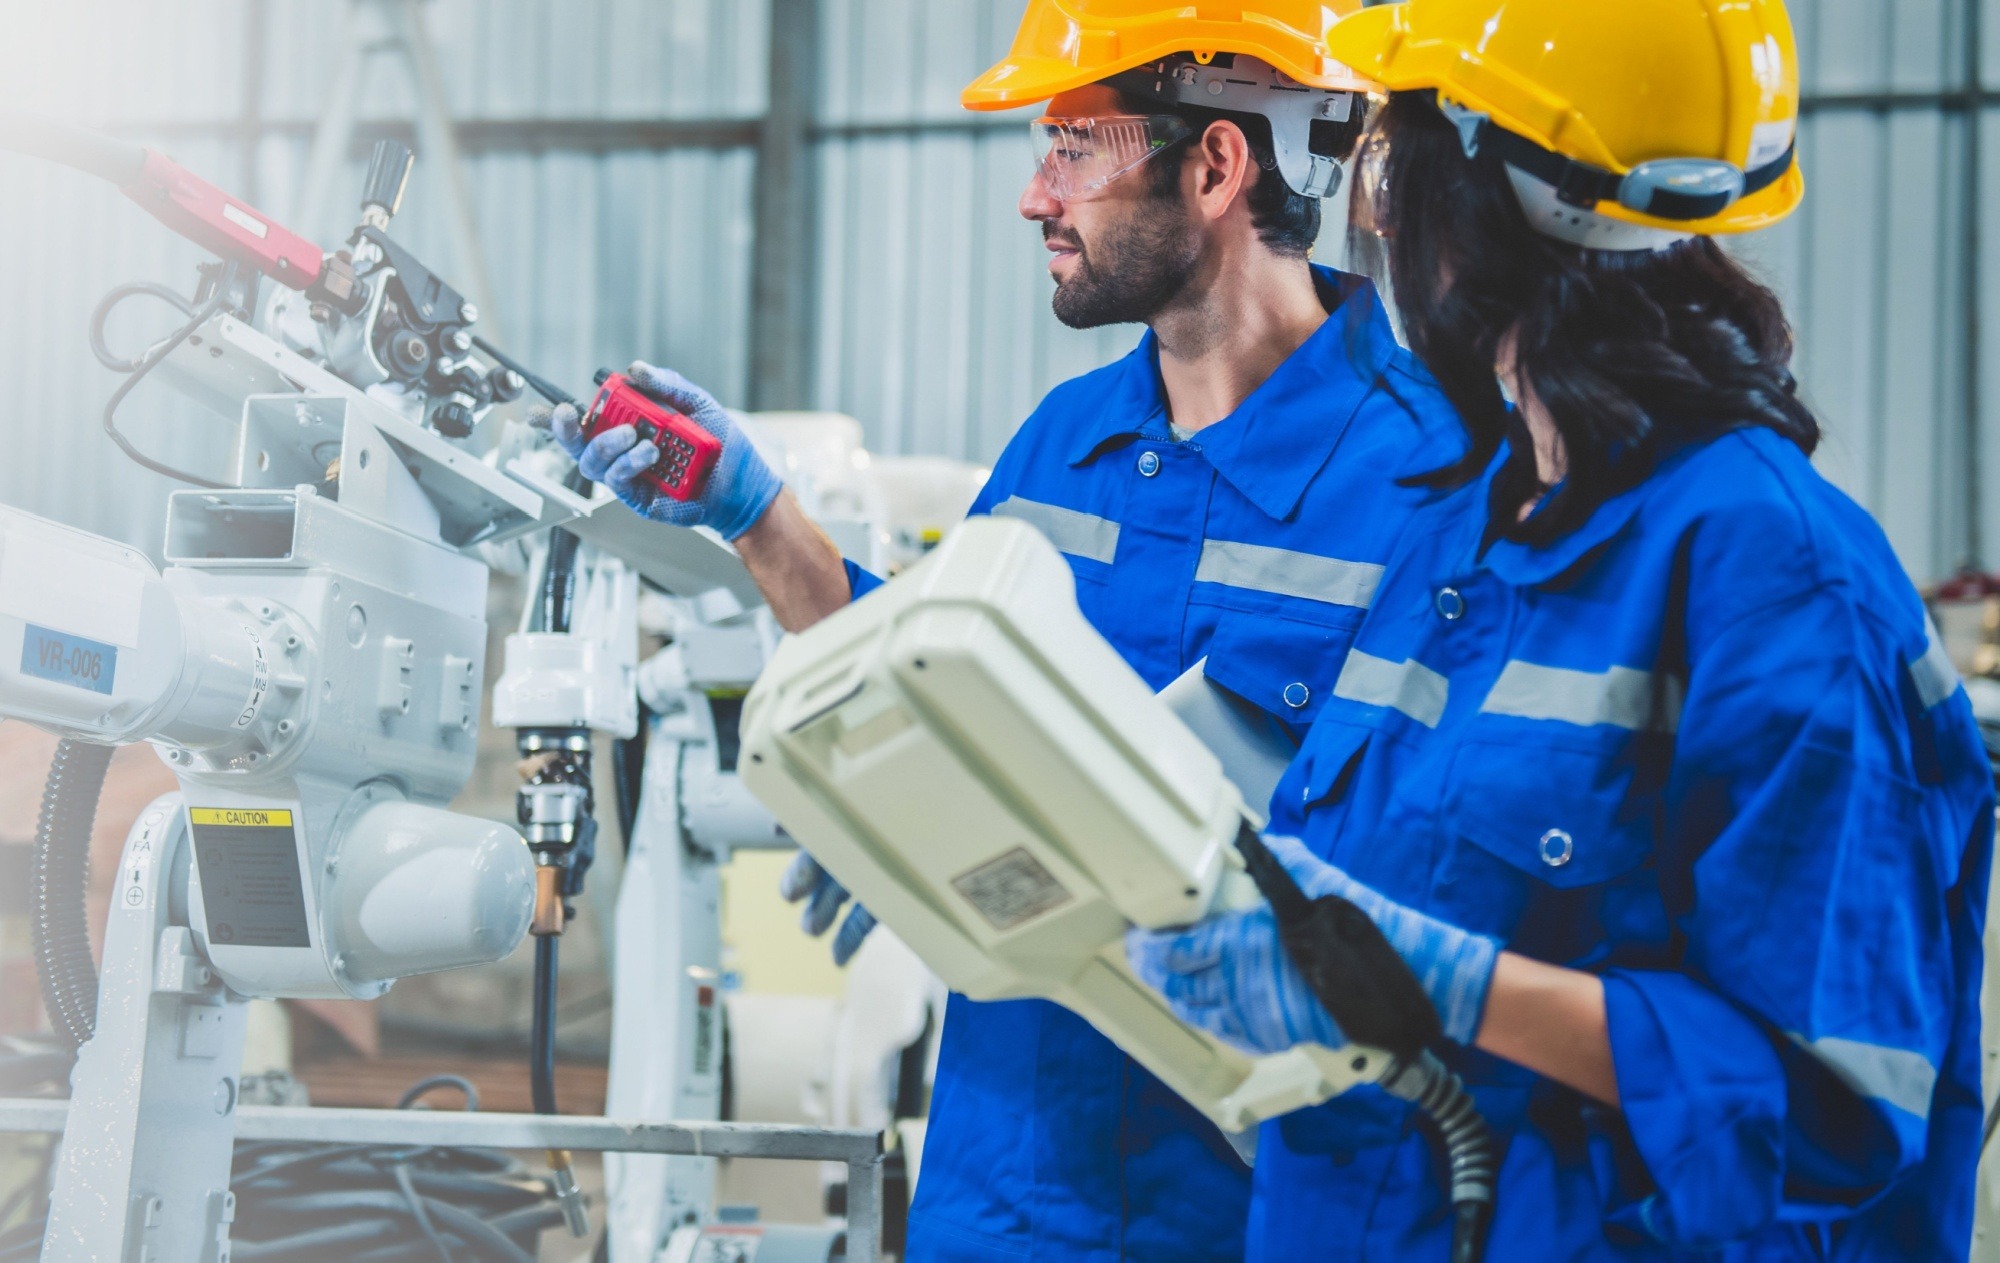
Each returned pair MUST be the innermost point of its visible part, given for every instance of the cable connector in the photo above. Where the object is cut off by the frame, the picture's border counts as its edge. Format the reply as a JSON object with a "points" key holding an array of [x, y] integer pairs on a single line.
{"points": [[576, 1211]]}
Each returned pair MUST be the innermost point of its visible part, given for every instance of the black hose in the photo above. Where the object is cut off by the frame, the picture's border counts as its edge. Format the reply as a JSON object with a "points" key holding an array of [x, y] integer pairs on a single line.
{"points": [[58, 879], [559, 573], [466, 1226], [628, 775], [308, 1203], [109, 303], [1432, 1087], [559, 582], [542, 1040], [1375, 999], [141, 368], [424, 1087]]}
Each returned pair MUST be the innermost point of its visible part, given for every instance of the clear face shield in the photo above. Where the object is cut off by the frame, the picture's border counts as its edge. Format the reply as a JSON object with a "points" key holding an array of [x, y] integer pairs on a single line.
{"points": [[1368, 206], [1078, 157]]}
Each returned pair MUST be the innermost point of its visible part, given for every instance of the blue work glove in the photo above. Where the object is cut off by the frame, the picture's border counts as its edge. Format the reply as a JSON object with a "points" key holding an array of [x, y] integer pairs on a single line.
{"points": [[740, 487], [1231, 977], [805, 879]]}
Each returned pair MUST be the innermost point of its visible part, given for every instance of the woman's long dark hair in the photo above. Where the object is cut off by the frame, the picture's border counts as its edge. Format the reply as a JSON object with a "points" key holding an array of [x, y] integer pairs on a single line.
{"points": [[1634, 354]]}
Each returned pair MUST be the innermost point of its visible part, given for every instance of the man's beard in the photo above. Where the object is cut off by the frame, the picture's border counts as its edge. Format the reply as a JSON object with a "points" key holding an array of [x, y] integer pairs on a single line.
{"points": [[1133, 270]]}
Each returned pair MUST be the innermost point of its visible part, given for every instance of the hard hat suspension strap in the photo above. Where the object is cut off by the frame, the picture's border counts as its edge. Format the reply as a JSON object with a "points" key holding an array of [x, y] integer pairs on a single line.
{"points": [[1669, 188]]}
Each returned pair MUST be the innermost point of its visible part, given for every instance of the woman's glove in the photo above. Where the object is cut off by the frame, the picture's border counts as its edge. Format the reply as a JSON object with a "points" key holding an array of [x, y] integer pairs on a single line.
{"points": [[804, 879], [740, 487], [1230, 976]]}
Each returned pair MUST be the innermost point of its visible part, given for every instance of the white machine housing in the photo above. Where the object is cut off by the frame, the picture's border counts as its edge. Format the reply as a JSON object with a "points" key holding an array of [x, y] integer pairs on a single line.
{"points": [[984, 772]]}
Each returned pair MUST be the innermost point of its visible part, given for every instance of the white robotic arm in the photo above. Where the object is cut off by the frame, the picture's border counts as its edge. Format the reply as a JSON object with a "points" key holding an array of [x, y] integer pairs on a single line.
{"points": [[95, 644]]}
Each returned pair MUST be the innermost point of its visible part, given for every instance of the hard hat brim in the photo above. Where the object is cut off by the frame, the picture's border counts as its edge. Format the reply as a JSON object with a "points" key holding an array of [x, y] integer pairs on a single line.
{"points": [[1016, 81], [1367, 39]]}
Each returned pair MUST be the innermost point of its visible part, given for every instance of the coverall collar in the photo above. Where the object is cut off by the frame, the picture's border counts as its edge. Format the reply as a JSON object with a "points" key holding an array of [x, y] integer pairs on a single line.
{"points": [[1278, 439], [1525, 565]]}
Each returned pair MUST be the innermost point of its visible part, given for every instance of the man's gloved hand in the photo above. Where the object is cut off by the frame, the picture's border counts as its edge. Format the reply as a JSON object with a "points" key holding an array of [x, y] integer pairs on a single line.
{"points": [[1230, 976], [805, 879], [740, 487]]}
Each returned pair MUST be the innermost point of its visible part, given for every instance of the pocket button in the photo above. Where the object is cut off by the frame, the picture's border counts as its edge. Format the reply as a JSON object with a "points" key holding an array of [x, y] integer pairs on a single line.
{"points": [[1450, 604], [1297, 695], [1558, 848]]}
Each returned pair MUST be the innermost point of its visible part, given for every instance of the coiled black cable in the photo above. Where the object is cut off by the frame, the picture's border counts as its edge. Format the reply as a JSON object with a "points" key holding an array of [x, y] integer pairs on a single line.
{"points": [[1435, 1089], [1377, 1001], [309, 1203], [385, 1202], [58, 878]]}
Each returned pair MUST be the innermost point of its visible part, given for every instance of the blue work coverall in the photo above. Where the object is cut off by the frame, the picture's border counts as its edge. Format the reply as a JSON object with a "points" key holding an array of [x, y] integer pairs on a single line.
{"points": [[1256, 545], [1707, 748]]}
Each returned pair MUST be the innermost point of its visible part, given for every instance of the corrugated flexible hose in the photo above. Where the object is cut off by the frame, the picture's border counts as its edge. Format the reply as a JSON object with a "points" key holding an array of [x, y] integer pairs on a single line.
{"points": [[1376, 1000], [58, 879], [1432, 1087]]}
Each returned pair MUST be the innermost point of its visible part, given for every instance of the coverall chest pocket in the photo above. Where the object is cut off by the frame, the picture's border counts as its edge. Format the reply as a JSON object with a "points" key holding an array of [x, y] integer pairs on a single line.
{"points": [[1285, 666], [1318, 793], [1533, 836]]}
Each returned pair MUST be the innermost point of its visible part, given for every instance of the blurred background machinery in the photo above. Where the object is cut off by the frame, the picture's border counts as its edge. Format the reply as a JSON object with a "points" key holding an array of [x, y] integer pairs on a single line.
{"points": [[782, 199]]}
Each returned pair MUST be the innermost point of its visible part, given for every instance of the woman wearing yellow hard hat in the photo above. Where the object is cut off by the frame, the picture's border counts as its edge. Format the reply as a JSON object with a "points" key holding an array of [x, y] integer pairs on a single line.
{"points": [[1646, 759]]}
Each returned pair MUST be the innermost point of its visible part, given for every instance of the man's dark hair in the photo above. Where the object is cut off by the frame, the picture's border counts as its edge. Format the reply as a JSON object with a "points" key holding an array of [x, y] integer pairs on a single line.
{"points": [[1287, 222]]}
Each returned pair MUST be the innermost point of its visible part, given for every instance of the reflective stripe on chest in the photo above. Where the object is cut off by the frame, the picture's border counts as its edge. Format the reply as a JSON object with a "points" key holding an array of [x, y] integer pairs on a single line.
{"points": [[1278, 570], [1079, 534]]}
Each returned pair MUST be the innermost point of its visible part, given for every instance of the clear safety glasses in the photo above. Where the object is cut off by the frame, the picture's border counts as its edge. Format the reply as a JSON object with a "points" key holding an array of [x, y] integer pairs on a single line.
{"points": [[1368, 205], [1077, 157]]}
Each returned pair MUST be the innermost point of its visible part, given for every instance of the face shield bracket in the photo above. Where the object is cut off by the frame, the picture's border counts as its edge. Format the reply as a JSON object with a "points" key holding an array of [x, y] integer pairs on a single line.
{"points": [[1241, 84]]}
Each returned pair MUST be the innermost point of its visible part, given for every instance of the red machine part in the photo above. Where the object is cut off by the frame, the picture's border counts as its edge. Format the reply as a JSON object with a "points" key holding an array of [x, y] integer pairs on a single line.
{"points": [[204, 214], [687, 452]]}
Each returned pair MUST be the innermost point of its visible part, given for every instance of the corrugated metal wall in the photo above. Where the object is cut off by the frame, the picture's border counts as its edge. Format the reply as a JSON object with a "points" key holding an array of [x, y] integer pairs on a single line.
{"points": [[931, 302], [1873, 268]]}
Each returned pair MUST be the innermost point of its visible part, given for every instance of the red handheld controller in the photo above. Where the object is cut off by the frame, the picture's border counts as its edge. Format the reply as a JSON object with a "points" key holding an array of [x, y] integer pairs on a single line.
{"points": [[687, 452]]}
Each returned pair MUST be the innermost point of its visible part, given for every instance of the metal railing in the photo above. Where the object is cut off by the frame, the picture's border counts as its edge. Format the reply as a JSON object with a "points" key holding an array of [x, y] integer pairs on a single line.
{"points": [[860, 1151]]}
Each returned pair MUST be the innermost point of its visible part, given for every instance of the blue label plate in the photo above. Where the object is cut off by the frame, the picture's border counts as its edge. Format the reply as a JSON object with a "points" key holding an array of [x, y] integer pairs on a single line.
{"points": [[71, 660]]}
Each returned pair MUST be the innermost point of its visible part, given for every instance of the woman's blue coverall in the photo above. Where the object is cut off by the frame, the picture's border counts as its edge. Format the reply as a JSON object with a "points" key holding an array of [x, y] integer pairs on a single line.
{"points": [[1708, 748]]}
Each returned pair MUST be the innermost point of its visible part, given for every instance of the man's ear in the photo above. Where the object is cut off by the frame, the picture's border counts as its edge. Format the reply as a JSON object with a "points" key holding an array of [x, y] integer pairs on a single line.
{"points": [[1223, 168]]}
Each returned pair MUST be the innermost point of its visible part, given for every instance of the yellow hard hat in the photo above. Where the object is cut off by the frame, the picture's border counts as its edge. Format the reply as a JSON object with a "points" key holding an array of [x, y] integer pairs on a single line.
{"points": [[1065, 44], [1674, 117]]}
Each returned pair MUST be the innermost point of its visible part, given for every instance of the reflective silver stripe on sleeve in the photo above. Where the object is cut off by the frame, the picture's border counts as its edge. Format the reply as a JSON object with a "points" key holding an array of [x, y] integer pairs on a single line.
{"points": [[1620, 696], [1903, 1078], [1409, 687], [1933, 674], [1078, 534], [1305, 575]]}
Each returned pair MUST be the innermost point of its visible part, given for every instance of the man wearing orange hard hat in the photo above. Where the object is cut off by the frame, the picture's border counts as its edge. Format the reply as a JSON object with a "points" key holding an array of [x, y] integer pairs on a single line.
{"points": [[1226, 495]]}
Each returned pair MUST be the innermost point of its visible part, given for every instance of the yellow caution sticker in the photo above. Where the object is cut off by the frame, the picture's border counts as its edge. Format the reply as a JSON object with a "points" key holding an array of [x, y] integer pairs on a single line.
{"points": [[250, 871], [240, 817]]}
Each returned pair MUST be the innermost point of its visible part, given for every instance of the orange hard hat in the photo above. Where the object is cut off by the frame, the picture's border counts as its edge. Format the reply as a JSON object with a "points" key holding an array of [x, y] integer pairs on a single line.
{"points": [[1065, 44]]}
